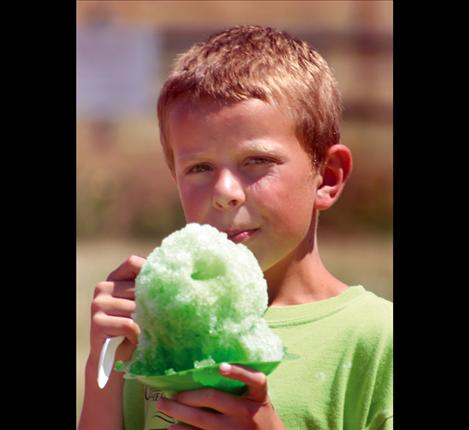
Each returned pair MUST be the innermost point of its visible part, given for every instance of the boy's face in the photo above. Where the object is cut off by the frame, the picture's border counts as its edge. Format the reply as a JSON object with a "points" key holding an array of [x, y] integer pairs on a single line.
{"points": [[240, 168]]}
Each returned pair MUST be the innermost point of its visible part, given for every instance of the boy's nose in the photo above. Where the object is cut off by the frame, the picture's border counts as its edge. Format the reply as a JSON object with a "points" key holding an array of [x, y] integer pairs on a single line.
{"points": [[228, 191]]}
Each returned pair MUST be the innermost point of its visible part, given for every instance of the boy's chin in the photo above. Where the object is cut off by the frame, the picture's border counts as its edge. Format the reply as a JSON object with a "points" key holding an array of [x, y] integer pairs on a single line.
{"points": [[264, 262], [266, 265]]}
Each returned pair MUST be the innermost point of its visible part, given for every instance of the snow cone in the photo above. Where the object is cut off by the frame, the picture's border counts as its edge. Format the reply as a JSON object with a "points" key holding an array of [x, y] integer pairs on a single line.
{"points": [[200, 300]]}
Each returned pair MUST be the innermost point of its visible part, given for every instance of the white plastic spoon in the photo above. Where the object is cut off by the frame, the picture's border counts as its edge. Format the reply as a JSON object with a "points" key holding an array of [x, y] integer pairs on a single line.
{"points": [[106, 359]]}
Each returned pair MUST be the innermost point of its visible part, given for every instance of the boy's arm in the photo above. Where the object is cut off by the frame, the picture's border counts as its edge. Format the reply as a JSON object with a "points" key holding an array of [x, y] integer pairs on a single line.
{"points": [[111, 310], [228, 412], [102, 408]]}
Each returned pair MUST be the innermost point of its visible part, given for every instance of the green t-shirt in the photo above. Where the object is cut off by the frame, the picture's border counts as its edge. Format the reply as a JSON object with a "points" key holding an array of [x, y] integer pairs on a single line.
{"points": [[337, 374]]}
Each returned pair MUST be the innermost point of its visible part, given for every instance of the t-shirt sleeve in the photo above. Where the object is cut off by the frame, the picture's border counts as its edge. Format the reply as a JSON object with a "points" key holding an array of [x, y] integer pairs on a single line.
{"points": [[381, 423], [388, 424], [369, 403], [380, 414]]}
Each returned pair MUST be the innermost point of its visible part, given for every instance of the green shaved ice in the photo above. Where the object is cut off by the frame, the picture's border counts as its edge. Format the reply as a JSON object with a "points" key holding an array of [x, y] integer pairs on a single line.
{"points": [[200, 300], [204, 363], [120, 365]]}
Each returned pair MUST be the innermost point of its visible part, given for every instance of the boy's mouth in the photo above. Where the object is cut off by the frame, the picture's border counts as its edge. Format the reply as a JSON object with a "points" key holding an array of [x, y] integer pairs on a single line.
{"points": [[238, 236]]}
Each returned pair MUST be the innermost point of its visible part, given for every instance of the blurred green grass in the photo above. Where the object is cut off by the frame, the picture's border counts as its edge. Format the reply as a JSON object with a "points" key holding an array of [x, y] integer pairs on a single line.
{"points": [[365, 260]]}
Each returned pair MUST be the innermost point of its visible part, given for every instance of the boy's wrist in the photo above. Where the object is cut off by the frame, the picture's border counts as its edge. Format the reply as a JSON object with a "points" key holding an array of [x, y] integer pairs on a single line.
{"points": [[92, 361], [91, 372]]}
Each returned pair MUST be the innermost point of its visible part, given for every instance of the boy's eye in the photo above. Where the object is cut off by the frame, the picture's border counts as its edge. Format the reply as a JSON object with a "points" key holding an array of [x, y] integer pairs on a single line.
{"points": [[259, 160], [198, 168]]}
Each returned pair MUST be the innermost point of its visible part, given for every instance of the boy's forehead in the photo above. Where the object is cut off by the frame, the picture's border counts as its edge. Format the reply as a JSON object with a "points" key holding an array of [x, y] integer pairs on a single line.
{"points": [[205, 109], [198, 127], [181, 109], [188, 152]]}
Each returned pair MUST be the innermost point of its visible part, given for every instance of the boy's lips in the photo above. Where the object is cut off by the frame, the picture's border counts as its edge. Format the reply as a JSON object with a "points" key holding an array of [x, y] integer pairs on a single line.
{"points": [[238, 236]]}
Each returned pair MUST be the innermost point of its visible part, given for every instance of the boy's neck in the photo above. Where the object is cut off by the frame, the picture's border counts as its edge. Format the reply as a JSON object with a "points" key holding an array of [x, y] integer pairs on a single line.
{"points": [[301, 278]]}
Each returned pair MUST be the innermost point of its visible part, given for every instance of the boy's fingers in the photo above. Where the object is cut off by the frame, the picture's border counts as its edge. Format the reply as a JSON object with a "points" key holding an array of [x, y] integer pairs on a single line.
{"points": [[219, 401], [124, 289], [117, 326], [255, 380], [118, 289], [113, 307], [199, 418], [128, 270]]}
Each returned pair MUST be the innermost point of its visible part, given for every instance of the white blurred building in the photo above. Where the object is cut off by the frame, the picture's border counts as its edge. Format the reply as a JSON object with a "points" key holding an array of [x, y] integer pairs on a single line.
{"points": [[117, 70]]}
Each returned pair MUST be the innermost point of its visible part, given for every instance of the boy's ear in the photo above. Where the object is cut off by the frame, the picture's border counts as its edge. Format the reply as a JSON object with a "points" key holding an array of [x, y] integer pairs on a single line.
{"points": [[334, 173]]}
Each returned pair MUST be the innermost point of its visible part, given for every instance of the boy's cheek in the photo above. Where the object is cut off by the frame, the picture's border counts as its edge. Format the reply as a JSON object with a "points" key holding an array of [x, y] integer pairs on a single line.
{"points": [[194, 206]]}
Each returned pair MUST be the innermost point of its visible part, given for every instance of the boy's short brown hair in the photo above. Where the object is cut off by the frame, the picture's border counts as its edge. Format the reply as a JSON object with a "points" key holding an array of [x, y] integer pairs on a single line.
{"points": [[251, 61]]}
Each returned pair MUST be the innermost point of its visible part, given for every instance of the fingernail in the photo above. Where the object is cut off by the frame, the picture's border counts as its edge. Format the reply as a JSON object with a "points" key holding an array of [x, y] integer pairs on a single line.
{"points": [[225, 368]]}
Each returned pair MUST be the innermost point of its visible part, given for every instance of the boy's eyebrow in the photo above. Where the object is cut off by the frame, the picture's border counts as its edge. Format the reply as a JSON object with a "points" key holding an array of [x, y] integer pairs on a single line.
{"points": [[262, 146], [190, 156], [248, 146]]}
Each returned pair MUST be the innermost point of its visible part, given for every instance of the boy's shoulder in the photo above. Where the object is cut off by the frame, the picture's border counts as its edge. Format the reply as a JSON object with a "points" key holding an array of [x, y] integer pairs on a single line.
{"points": [[377, 308], [355, 318], [370, 318]]}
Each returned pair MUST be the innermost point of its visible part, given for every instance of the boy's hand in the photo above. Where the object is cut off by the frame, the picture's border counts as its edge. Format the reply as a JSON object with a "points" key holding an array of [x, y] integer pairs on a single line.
{"points": [[112, 307], [251, 411]]}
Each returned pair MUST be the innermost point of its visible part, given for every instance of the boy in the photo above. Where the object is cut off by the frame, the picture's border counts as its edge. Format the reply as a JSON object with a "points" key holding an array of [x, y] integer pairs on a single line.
{"points": [[249, 123]]}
